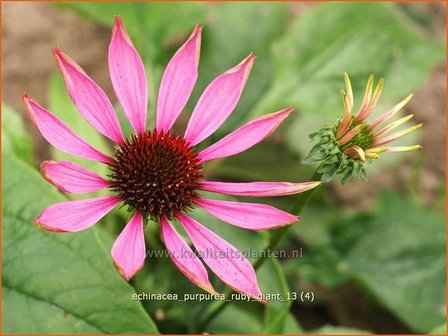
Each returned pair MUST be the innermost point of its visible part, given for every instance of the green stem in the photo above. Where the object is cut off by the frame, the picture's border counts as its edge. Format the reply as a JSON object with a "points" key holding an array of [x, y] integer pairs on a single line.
{"points": [[302, 200]]}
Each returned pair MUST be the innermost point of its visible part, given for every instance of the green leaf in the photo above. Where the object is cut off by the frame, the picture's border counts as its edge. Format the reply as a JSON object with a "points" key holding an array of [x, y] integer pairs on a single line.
{"points": [[230, 37], [396, 253], [401, 260], [54, 282], [15, 138], [61, 105]]}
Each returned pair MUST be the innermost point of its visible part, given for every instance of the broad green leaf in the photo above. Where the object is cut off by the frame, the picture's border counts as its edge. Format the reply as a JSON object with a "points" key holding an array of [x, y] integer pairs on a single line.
{"points": [[229, 37], [401, 260], [15, 138], [61, 105], [292, 326], [396, 253], [235, 319], [53, 282]]}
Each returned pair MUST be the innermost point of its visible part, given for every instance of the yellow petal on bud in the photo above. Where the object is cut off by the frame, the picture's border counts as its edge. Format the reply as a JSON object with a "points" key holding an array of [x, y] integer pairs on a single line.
{"points": [[372, 156], [345, 101], [393, 125], [385, 116], [404, 148], [376, 150], [397, 135], [348, 86]]}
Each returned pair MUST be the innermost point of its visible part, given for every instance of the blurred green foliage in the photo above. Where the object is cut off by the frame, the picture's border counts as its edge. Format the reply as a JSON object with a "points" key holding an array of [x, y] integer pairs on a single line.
{"points": [[14, 136], [395, 253]]}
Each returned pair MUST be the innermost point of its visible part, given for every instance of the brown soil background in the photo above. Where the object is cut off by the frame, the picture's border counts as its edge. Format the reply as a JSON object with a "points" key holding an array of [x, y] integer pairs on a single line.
{"points": [[30, 30]]}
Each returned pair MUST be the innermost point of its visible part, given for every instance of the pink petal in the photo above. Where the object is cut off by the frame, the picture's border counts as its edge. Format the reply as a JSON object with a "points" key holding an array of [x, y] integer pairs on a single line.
{"points": [[395, 136], [73, 216], [252, 216], [184, 257], [258, 188], [59, 135], [129, 250], [218, 101], [387, 115], [69, 177], [128, 76], [223, 259], [178, 81], [246, 136], [89, 98]]}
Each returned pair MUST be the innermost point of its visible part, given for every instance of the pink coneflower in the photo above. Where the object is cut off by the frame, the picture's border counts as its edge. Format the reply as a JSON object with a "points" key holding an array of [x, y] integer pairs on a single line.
{"points": [[159, 174], [345, 147]]}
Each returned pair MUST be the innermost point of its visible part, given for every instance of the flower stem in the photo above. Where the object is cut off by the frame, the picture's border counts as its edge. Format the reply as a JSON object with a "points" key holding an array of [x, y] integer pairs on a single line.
{"points": [[302, 200]]}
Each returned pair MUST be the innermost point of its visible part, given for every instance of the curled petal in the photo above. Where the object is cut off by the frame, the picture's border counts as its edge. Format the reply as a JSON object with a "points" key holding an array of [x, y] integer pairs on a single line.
{"points": [[90, 100], [218, 101], [178, 81], [59, 135], [358, 150], [70, 177], [382, 118], [246, 136], [129, 250], [397, 135], [252, 216], [258, 188], [73, 216], [128, 76], [184, 257], [223, 259]]}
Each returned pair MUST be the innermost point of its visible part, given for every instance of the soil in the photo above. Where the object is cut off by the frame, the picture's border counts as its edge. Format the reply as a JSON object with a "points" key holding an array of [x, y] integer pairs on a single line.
{"points": [[30, 30]]}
